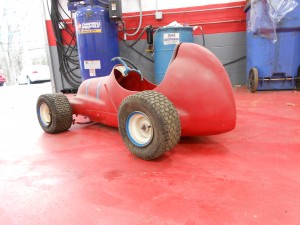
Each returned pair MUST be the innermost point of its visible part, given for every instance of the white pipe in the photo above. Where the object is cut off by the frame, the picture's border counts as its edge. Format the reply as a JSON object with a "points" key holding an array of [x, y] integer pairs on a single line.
{"points": [[140, 23], [191, 11]]}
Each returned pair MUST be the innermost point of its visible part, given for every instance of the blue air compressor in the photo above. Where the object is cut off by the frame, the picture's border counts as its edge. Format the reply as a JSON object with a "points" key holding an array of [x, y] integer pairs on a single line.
{"points": [[97, 41]]}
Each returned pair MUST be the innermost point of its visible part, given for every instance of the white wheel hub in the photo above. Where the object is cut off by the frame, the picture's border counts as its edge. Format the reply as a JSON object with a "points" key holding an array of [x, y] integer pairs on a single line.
{"points": [[139, 129], [45, 114]]}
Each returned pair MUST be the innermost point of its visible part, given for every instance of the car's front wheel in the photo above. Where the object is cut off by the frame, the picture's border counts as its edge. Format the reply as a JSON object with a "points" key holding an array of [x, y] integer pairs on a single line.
{"points": [[54, 113], [149, 124]]}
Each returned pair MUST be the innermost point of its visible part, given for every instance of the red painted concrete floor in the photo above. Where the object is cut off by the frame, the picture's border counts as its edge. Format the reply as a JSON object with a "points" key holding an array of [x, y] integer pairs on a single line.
{"points": [[86, 176]]}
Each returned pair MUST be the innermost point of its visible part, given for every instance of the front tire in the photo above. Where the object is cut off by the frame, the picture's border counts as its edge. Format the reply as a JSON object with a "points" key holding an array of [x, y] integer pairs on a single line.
{"points": [[54, 113], [149, 124]]}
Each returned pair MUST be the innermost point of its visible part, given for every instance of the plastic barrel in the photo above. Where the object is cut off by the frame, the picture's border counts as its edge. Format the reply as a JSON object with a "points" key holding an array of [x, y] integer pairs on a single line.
{"points": [[97, 41], [277, 63], [165, 40]]}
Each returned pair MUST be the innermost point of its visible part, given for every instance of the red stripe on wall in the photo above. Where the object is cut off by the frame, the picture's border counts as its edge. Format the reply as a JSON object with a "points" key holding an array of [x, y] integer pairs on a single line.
{"points": [[68, 39], [50, 33], [216, 18]]}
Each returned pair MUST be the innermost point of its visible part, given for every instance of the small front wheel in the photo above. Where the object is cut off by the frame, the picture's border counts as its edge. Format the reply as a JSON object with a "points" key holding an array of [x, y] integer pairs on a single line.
{"points": [[149, 124], [54, 113]]}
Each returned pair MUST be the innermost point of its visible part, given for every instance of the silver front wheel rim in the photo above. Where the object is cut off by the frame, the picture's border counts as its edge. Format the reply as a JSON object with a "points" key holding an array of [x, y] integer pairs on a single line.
{"points": [[45, 114], [139, 129]]}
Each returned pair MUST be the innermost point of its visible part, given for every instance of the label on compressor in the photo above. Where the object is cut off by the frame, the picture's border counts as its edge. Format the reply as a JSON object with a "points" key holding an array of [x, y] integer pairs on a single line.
{"points": [[89, 27], [92, 64], [171, 38]]}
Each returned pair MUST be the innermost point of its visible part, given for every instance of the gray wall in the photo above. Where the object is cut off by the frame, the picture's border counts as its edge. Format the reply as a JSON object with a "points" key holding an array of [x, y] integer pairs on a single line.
{"points": [[229, 47], [59, 82], [226, 46], [146, 66]]}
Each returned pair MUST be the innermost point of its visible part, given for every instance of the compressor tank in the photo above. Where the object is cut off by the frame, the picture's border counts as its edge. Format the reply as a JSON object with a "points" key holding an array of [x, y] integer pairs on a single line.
{"points": [[97, 41]]}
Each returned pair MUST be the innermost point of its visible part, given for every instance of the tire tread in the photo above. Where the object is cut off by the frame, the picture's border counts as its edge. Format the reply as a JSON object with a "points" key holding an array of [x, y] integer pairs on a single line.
{"points": [[166, 115], [61, 112]]}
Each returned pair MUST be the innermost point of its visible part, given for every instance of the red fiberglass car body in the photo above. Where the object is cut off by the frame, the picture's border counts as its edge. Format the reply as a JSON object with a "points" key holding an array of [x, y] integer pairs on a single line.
{"points": [[196, 88], [2, 78]]}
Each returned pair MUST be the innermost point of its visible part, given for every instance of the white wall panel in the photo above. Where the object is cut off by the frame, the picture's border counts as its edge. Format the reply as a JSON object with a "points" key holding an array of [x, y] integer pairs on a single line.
{"points": [[147, 5], [63, 3]]}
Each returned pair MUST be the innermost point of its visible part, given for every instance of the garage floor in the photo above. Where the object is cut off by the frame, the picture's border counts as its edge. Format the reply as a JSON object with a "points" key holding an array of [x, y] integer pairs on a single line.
{"points": [[86, 176]]}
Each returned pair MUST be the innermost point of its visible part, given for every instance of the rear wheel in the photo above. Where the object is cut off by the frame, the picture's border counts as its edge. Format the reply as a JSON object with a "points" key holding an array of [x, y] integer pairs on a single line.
{"points": [[149, 124], [54, 113], [253, 80]]}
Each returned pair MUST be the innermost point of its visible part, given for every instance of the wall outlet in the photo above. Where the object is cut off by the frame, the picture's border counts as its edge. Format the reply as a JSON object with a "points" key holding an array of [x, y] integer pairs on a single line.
{"points": [[158, 15]]}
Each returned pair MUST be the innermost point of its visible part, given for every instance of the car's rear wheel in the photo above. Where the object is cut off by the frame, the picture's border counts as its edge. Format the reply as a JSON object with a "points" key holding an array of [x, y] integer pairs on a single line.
{"points": [[54, 113], [149, 124]]}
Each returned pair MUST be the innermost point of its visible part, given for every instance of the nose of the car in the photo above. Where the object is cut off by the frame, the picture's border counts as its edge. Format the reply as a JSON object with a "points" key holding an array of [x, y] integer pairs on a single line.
{"points": [[198, 85]]}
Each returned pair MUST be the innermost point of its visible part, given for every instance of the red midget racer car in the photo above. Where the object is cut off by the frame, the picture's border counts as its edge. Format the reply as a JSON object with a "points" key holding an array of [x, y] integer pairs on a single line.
{"points": [[194, 99], [2, 78]]}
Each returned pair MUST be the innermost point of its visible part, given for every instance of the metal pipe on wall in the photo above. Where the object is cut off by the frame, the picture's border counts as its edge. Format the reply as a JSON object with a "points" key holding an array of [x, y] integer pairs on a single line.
{"points": [[205, 23], [49, 58], [190, 11]]}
